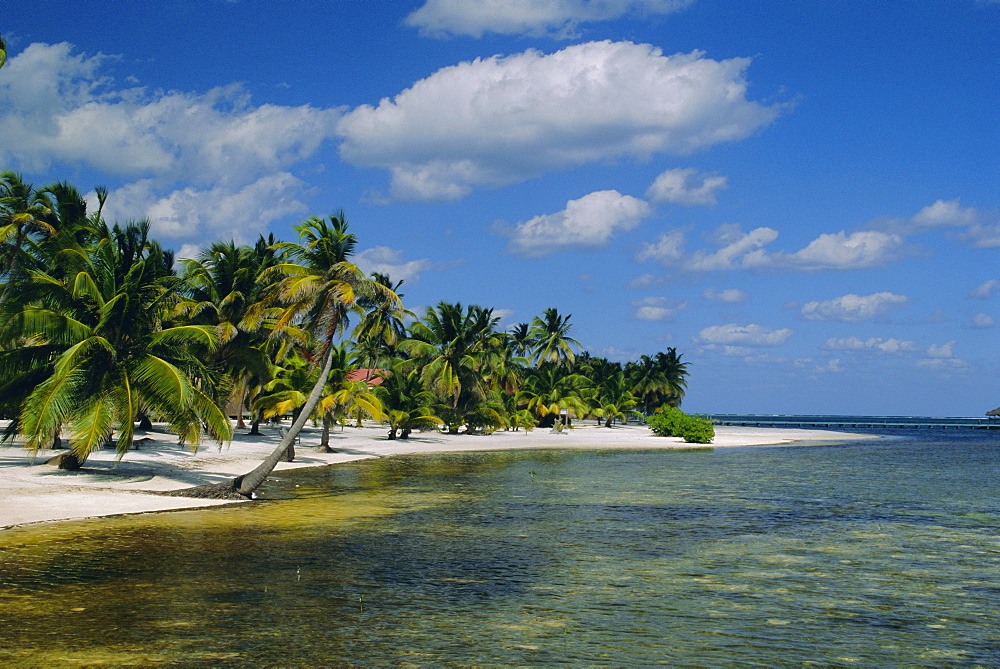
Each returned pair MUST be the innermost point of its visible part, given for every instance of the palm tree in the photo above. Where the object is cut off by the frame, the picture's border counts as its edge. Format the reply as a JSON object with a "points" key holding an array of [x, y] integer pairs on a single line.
{"points": [[24, 214], [659, 379], [454, 349], [382, 326], [549, 335], [96, 348], [406, 403], [549, 390], [321, 288], [224, 288]]}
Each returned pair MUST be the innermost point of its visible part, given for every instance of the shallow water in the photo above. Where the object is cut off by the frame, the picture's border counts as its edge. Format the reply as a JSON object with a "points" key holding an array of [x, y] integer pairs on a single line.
{"points": [[875, 553]]}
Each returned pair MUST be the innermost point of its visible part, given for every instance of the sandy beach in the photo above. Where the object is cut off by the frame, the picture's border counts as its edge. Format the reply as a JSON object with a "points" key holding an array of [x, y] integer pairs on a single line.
{"points": [[32, 492]]}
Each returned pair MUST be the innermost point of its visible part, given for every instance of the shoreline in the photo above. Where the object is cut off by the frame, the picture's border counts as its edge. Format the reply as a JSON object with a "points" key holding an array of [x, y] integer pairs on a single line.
{"points": [[32, 492]]}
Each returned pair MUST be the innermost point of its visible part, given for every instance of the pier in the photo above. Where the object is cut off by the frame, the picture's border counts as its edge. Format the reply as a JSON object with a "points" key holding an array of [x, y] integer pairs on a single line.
{"points": [[854, 422]]}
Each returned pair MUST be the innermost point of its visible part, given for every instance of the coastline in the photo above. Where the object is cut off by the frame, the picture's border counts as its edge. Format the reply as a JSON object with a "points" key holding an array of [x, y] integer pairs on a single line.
{"points": [[33, 492]]}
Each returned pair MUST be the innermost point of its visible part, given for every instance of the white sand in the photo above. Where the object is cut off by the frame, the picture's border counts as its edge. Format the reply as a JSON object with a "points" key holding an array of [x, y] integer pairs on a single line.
{"points": [[33, 492]]}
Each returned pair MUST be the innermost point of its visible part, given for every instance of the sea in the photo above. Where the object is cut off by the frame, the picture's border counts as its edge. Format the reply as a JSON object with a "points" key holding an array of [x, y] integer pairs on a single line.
{"points": [[883, 551]]}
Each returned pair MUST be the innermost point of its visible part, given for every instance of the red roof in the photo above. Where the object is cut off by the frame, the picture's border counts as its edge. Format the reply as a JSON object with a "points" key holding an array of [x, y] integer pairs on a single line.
{"points": [[369, 375]]}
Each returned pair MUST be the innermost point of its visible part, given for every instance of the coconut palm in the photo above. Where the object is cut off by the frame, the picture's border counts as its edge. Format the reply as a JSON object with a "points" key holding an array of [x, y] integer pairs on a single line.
{"points": [[549, 390], [407, 405], [550, 340], [382, 326], [320, 287], [24, 217], [96, 348], [224, 288], [454, 349], [658, 380]]}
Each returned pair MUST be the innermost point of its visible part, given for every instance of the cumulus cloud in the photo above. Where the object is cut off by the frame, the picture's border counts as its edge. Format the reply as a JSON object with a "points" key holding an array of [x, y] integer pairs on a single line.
{"points": [[981, 321], [944, 214], [207, 215], [985, 290], [55, 106], [871, 344], [738, 250], [657, 308], [742, 335], [942, 356], [853, 308], [687, 186], [558, 18], [858, 250], [390, 261], [588, 222], [729, 296], [502, 120], [984, 236]]}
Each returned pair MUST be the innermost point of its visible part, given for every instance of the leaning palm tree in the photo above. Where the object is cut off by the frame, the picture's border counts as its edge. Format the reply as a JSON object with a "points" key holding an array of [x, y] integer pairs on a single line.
{"points": [[96, 348], [320, 287]]}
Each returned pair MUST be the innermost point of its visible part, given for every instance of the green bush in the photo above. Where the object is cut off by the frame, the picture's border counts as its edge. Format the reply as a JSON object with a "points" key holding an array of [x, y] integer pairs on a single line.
{"points": [[672, 422]]}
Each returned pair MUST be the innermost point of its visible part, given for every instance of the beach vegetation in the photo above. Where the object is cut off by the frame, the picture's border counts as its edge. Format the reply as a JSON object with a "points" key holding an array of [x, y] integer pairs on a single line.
{"points": [[672, 422], [100, 330]]}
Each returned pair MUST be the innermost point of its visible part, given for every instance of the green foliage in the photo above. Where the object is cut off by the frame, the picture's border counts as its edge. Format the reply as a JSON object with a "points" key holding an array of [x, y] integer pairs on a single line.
{"points": [[672, 422]]}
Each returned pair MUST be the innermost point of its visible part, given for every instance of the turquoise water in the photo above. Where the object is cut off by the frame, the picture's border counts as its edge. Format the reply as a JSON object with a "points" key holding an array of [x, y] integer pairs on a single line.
{"points": [[869, 553]]}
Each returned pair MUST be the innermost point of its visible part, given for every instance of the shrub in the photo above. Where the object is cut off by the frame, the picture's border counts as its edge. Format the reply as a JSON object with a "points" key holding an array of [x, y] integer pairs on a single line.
{"points": [[672, 422]]}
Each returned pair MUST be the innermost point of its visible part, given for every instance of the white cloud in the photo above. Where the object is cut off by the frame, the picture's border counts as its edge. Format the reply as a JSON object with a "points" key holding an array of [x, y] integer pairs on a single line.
{"points": [[942, 357], [667, 250], [743, 335], [942, 351], [738, 250], [588, 222], [657, 308], [832, 366], [852, 308], [858, 250], [871, 344], [741, 251], [985, 236], [56, 107], [558, 18], [390, 261], [985, 290], [729, 296], [502, 120], [687, 186], [942, 214], [208, 215], [981, 322]]}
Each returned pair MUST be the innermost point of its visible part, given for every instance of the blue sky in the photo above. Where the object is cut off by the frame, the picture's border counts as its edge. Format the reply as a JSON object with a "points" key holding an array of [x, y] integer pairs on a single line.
{"points": [[801, 196]]}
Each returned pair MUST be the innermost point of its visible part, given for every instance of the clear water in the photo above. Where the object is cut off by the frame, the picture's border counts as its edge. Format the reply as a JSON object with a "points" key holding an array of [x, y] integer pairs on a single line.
{"points": [[871, 553]]}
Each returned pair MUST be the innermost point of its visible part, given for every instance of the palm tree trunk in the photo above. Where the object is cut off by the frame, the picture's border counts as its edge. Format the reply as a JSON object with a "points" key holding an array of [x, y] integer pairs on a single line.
{"points": [[324, 442], [243, 487]]}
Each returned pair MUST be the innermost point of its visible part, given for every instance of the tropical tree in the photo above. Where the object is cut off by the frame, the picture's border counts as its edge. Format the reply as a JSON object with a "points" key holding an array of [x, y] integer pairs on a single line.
{"points": [[454, 349], [24, 214], [224, 288], [660, 379], [319, 286], [549, 390], [3, 51], [407, 405], [382, 326], [550, 340], [95, 347]]}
